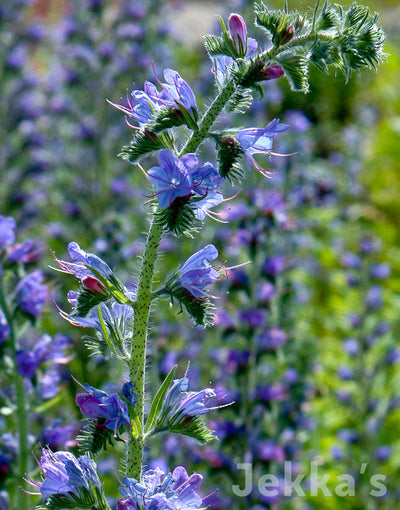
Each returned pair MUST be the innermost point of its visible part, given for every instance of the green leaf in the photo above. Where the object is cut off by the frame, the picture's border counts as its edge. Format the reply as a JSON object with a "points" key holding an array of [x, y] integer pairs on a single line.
{"points": [[156, 406]]}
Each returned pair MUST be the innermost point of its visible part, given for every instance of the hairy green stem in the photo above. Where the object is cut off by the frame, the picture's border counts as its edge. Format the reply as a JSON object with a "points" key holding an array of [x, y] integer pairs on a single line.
{"points": [[138, 354], [208, 119], [21, 414]]}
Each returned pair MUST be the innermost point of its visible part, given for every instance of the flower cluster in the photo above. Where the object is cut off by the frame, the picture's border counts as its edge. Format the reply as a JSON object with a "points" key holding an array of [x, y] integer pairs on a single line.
{"points": [[108, 410], [175, 94], [185, 177], [157, 491]]}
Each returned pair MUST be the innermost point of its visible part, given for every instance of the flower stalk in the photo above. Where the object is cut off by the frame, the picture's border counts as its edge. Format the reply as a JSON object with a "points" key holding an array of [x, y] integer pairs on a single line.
{"points": [[138, 353]]}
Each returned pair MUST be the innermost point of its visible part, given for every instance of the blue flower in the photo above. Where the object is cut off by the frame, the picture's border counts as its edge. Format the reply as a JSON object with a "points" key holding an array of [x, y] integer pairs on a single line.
{"points": [[179, 402], [183, 177], [259, 141], [78, 268], [172, 179], [197, 273], [64, 474], [175, 93], [97, 404], [157, 491], [31, 293]]}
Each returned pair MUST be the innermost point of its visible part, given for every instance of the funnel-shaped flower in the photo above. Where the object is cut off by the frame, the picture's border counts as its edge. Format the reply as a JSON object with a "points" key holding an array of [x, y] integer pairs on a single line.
{"points": [[172, 178], [259, 141], [63, 474], [197, 273]]}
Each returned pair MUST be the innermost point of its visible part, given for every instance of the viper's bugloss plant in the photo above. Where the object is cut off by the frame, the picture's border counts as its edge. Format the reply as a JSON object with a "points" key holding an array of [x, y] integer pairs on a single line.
{"points": [[181, 190]]}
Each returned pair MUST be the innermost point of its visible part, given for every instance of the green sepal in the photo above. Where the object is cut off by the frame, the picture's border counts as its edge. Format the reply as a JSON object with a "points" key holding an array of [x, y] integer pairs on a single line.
{"points": [[296, 69], [88, 299], [229, 153], [84, 499], [95, 437], [361, 44], [277, 23], [192, 426], [156, 406], [97, 346], [200, 310], [109, 341], [142, 144], [168, 118], [112, 335], [324, 55], [179, 218]]}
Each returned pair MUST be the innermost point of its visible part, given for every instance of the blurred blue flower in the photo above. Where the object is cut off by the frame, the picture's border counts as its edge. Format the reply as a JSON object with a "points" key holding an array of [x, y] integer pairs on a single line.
{"points": [[56, 434], [31, 293], [7, 231]]}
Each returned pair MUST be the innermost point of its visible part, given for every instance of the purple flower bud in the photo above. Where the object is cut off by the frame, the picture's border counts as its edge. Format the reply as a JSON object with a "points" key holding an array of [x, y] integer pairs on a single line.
{"points": [[238, 31], [91, 283], [272, 72]]}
